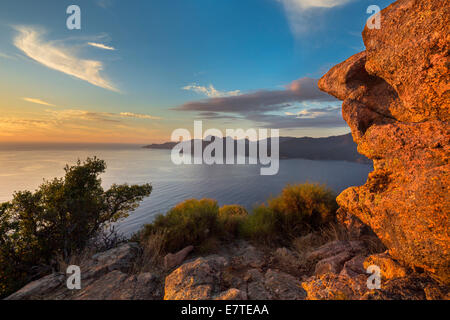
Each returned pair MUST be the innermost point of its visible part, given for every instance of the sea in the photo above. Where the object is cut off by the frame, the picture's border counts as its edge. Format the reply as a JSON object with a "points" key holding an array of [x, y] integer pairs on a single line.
{"points": [[25, 166]]}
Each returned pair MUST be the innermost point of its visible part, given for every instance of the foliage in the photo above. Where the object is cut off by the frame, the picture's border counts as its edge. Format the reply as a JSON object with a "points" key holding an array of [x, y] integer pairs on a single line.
{"points": [[304, 207], [298, 210], [59, 219], [261, 225], [188, 223], [230, 219]]}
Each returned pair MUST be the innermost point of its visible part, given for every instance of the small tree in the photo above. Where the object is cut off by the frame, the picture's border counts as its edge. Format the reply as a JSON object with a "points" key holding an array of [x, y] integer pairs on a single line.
{"points": [[59, 218]]}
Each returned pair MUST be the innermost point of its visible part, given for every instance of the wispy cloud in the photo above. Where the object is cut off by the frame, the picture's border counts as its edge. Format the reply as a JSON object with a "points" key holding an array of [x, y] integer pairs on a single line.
{"points": [[314, 113], [308, 4], [317, 117], [138, 116], [60, 58], [38, 101], [301, 13], [101, 46], [75, 114], [104, 3], [7, 56], [210, 91]]}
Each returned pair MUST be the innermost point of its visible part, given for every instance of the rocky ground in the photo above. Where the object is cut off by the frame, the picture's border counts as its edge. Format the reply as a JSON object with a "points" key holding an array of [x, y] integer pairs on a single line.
{"points": [[240, 271]]}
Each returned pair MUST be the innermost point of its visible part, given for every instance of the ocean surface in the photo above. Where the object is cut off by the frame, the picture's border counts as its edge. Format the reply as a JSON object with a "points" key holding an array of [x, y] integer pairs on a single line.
{"points": [[23, 167]]}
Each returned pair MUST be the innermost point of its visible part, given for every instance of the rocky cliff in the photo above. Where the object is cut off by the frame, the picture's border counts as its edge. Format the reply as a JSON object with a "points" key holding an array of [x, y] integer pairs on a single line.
{"points": [[396, 100]]}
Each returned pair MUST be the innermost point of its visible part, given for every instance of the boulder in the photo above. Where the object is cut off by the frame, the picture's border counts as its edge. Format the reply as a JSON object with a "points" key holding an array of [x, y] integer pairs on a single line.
{"points": [[337, 247], [232, 294], [103, 276], [172, 260], [413, 287], [354, 267], [39, 288], [331, 286], [396, 100], [390, 268], [273, 285], [195, 280], [283, 286], [333, 264], [117, 285], [120, 258]]}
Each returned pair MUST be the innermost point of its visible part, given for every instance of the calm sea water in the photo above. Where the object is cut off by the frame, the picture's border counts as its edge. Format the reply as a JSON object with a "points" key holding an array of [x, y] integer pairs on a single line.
{"points": [[24, 168]]}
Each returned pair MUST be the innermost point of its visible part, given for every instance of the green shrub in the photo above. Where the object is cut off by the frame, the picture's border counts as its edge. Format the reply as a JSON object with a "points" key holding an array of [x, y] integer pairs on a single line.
{"points": [[188, 223], [296, 211], [59, 219], [304, 207], [230, 219], [262, 225]]}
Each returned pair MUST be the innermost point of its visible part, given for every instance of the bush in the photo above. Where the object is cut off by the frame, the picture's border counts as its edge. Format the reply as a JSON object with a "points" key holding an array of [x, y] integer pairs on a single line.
{"points": [[262, 225], [304, 207], [298, 210], [188, 223], [231, 218], [58, 220]]}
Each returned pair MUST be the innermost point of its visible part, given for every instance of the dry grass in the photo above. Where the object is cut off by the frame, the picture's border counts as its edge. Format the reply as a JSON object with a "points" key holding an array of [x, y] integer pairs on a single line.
{"points": [[77, 259], [152, 254], [334, 232], [313, 240]]}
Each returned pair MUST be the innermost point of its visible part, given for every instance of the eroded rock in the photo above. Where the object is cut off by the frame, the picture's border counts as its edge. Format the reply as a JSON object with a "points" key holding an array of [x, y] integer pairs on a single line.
{"points": [[396, 102], [172, 260], [195, 280], [390, 268], [39, 288]]}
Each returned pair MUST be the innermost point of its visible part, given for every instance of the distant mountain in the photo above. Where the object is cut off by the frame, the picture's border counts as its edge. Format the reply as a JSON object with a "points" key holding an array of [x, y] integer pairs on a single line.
{"points": [[331, 148]]}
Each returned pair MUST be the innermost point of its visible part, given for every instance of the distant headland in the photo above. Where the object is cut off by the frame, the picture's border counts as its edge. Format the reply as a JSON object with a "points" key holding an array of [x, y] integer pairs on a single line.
{"points": [[340, 148]]}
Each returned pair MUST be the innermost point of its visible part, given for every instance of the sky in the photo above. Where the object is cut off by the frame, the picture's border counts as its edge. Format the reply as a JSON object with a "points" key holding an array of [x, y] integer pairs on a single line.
{"points": [[137, 70]]}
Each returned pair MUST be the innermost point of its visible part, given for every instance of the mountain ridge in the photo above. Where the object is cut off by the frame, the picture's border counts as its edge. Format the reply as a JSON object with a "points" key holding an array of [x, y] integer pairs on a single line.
{"points": [[338, 148]]}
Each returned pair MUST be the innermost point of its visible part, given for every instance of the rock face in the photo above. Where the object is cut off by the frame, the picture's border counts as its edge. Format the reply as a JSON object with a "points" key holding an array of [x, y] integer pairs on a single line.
{"points": [[105, 276], [396, 101]]}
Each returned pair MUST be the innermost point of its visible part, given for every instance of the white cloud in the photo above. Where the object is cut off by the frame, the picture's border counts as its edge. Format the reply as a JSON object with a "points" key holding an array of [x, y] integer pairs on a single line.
{"points": [[138, 116], [38, 101], [60, 58], [298, 12], [307, 4], [210, 91], [101, 46], [314, 113]]}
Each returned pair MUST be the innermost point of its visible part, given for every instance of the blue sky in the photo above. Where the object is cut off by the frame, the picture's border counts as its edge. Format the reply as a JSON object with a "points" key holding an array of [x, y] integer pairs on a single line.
{"points": [[139, 69]]}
